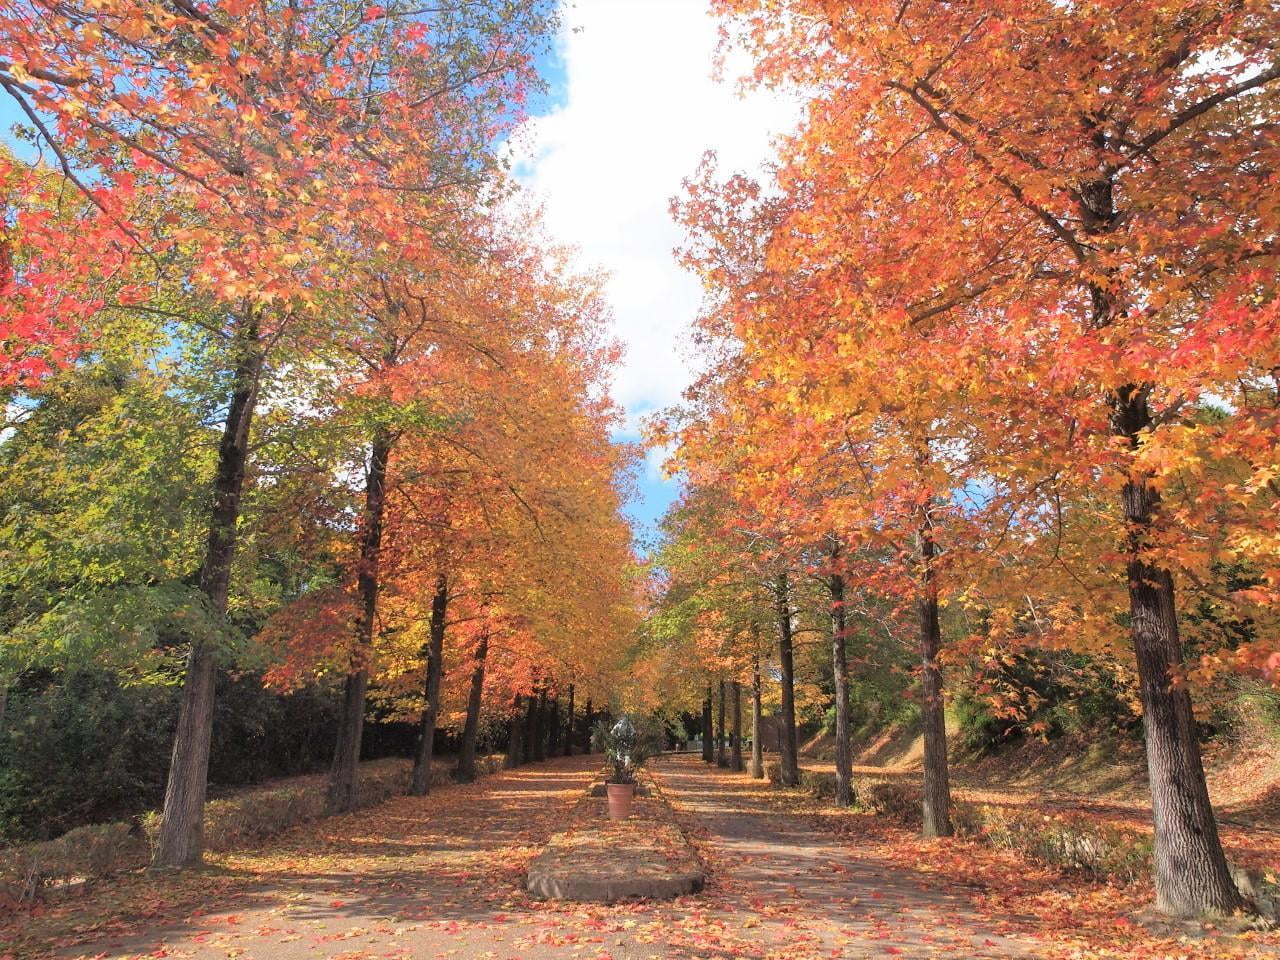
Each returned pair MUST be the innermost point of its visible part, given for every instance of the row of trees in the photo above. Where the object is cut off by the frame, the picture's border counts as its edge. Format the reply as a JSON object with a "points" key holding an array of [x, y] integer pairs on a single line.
{"points": [[322, 404], [996, 342]]}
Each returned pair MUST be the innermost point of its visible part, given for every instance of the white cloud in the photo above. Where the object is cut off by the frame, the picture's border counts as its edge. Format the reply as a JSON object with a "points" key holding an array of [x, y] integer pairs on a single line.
{"points": [[640, 109]]}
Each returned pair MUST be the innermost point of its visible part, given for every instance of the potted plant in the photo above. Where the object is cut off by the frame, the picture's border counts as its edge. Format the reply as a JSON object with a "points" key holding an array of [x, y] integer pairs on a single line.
{"points": [[626, 750]]}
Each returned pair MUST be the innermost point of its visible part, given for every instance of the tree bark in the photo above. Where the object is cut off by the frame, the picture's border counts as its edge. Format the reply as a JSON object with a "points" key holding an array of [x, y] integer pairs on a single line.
{"points": [[515, 736], [420, 782], [788, 748], [757, 748], [344, 774], [735, 756], [181, 840], [1192, 878], [840, 670], [937, 787], [542, 725], [587, 720], [722, 759], [466, 771], [553, 735], [708, 735], [531, 729], [569, 726]]}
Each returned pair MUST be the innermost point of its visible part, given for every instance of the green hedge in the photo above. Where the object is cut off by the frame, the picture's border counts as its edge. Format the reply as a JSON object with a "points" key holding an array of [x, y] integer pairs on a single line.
{"points": [[241, 821]]}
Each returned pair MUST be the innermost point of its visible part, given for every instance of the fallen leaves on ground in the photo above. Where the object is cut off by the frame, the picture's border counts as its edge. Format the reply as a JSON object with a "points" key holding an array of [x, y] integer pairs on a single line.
{"points": [[442, 877]]}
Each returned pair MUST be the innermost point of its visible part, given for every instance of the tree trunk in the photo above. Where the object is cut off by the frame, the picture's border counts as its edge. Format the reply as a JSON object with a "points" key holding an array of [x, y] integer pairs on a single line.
{"points": [[1192, 878], [757, 747], [471, 728], [708, 735], [569, 726], [420, 783], [840, 669], [937, 788], [515, 736], [531, 729], [181, 840], [344, 774], [541, 731], [788, 749], [735, 758], [587, 719], [722, 760], [553, 735]]}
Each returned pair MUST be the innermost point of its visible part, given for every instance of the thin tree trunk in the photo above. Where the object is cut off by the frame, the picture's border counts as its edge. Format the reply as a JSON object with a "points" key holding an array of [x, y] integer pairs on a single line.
{"points": [[553, 735], [788, 749], [708, 735], [181, 840], [1192, 878], [757, 747], [840, 669], [735, 757], [722, 759], [531, 729], [515, 736], [471, 728], [420, 783], [541, 731], [569, 726], [937, 788], [588, 718], [344, 774]]}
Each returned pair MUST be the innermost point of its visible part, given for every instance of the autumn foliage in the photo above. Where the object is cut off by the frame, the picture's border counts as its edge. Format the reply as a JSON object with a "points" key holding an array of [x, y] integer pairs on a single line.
{"points": [[302, 226], [1001, 327]]}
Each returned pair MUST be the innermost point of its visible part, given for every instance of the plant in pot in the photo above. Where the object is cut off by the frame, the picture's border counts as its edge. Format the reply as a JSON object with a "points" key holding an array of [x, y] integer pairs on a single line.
{"points": [[626, 748]]}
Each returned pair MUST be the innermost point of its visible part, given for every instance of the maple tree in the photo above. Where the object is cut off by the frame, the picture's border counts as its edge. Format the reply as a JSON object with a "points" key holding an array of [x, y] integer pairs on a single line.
{"points": [[295, 137], [477, 540], [1009, 258]]}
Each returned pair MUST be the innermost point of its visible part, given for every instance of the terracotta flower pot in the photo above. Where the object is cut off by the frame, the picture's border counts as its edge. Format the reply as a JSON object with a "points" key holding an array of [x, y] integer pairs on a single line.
{"points": [[620, 797]]}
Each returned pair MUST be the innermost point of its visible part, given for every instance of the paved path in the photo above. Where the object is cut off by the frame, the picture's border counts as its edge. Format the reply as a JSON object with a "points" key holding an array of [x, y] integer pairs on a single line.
{"points": [[441, 877], [804, 887]]}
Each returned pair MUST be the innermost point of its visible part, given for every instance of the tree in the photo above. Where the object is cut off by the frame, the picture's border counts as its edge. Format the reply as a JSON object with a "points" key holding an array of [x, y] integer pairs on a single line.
{"points": [[1062, 200]]}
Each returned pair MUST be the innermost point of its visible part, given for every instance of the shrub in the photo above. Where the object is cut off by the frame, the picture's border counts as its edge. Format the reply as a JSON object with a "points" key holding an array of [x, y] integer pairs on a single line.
{"points": [[901, 801], [1075, 841], [95, 851], [241, 821], [627, 745], [819, 783], [77, 748]]}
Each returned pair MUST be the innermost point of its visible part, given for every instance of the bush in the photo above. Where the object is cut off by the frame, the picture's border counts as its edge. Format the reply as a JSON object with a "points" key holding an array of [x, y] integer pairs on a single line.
{"points": [[627, 744], [1075, 841], [79, 748], [232, 823], [1071, 840], [97, 851], [901, 801], [1049, 693]]}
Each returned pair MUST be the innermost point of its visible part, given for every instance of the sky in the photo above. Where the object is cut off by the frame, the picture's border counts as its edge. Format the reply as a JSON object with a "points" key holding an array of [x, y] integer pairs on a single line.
{"points": [[633, 106]]}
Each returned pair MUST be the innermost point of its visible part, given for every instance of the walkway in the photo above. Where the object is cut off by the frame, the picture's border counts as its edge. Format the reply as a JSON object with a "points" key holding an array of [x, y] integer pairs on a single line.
{"points": [[798, 887], [441, 877]]}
